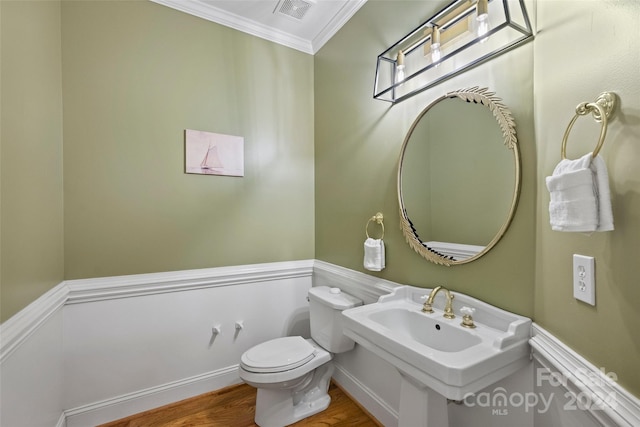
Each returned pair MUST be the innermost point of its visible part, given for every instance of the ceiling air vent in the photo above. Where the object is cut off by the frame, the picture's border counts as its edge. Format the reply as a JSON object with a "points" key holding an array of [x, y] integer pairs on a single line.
{"points": [[294, 8]]}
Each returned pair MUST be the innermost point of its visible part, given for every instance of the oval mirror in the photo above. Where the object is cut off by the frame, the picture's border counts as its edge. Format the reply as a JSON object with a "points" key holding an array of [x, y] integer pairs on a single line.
{"points": [[459, 177]]}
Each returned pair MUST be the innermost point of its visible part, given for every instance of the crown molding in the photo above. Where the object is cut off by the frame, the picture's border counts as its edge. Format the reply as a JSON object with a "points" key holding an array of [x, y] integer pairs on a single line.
{"points": [[348, 10], [211, 13]]}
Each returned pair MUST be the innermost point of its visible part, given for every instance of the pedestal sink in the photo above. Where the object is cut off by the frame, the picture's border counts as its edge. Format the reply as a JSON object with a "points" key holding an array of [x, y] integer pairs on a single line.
{"points": [[438, 358]]}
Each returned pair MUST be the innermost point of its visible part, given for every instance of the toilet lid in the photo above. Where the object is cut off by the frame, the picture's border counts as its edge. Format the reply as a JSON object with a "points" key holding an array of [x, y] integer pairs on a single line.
{"points": [[277, 355]]}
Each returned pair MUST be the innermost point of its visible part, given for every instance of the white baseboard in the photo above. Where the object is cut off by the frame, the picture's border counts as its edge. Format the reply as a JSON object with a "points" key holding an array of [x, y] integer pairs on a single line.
{"points": [[608, 403], [133, 403]]}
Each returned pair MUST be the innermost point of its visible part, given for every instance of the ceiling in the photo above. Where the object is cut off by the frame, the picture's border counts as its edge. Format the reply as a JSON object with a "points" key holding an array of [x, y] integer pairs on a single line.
{"points": [[305, 25]]}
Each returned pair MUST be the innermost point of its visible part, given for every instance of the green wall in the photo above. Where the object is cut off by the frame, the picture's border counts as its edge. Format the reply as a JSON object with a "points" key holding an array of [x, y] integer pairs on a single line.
{"points": [[31, 242], [135, 76], [357, 145], [358, 140], [570, 70], [479, 206]]}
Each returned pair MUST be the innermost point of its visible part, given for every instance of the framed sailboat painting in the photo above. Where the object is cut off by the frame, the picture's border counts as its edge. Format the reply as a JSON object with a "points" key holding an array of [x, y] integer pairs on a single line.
{"points": [[208, 153]]}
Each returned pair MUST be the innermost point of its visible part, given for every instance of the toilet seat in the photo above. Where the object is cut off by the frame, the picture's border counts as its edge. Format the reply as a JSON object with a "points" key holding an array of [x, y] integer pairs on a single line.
{"points": [[278, 355]]}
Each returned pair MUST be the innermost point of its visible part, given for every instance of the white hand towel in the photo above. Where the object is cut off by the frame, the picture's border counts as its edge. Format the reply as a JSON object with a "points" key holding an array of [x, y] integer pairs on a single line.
{"points": [[580, 196], [374, 254], [605, 219]]}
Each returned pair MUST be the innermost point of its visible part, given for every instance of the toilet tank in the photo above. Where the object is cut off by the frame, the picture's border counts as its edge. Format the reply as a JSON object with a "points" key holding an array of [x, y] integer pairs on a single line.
{"points": [[325, 313]]}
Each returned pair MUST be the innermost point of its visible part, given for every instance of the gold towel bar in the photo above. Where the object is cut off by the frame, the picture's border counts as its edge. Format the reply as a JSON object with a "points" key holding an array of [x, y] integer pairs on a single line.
{"points": [[602, 110], [378, 218]]}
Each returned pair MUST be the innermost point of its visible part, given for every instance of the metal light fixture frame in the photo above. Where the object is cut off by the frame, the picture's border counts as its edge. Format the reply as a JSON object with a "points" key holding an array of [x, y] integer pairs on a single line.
{"points": [[462, 48]]}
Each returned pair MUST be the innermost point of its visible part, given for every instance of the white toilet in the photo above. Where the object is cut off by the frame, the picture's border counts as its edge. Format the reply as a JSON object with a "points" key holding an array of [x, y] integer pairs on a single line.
{"points": [[292, 374]]}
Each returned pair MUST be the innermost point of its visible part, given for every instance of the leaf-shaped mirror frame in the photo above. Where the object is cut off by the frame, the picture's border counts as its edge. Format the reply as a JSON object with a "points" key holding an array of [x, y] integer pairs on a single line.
{"points": [[482, 97]]}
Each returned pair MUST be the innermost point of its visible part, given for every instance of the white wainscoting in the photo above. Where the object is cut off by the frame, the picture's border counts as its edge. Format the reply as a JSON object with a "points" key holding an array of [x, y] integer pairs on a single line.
{"points": [[584, 395], [31, 378], [91, 351]]}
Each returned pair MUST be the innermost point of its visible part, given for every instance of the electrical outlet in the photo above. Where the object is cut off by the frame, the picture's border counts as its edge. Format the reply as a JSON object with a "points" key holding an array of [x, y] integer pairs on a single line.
{"points": [[584, 279]]}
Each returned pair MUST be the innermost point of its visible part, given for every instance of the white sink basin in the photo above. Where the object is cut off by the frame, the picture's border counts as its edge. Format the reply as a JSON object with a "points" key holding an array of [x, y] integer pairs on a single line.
{"points": [[427, 330], [440, 353]]}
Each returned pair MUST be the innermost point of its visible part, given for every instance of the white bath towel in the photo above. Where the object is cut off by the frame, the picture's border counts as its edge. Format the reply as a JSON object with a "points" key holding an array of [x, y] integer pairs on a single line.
{"points": [[374, 254], [580, 196]]}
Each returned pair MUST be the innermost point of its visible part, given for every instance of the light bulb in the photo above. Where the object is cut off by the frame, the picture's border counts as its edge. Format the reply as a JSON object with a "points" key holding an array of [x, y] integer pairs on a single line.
{"points": [[400, 67], [400, 74], [482, 20], [436, 54], [483, 27]]}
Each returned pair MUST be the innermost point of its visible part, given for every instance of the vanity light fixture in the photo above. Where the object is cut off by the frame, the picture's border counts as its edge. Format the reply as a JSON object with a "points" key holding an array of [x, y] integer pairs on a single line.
{"points": [[464, 34]]}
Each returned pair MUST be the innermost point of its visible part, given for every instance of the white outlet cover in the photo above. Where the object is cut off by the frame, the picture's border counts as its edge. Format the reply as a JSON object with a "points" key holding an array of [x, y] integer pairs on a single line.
{"points": [[584, 279]]}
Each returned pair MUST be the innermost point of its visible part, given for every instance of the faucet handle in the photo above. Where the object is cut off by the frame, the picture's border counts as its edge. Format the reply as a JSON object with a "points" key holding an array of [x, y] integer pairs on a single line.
{"points": [[467, 320], [467, 310]]}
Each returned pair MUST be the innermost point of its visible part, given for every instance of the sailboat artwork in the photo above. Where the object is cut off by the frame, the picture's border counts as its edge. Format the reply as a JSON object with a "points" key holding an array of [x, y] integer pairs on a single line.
{"points": [[211, 160], [208, 153]]}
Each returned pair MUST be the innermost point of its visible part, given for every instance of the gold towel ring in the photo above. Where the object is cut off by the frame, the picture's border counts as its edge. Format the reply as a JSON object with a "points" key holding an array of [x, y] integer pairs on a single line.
{"points": [[601, 110], [376, 218]]}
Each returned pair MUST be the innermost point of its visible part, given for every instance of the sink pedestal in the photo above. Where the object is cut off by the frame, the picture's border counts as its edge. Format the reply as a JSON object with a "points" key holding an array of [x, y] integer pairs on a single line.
{"points": [[421, 406]]}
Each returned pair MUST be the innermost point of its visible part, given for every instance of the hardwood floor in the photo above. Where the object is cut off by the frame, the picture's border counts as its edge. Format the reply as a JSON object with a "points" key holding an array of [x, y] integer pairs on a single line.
{"points": [[235, 407]]}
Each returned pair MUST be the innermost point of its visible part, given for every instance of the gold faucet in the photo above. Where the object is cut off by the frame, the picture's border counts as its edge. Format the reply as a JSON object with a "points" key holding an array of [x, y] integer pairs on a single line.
{"points": [[448, 308]]}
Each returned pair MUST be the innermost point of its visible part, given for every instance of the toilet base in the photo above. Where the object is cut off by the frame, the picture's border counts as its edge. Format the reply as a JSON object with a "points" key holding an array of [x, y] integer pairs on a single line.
{"points": [[278, 408]]}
